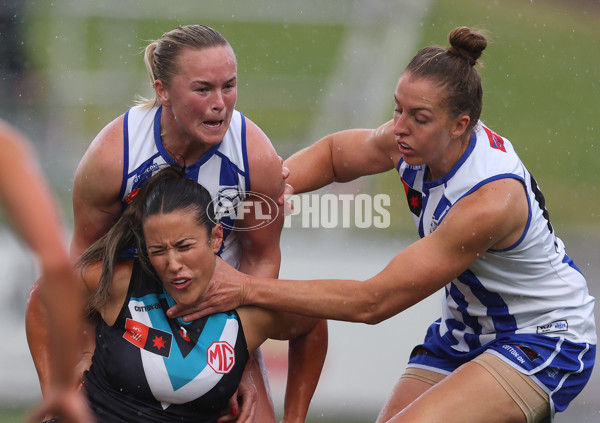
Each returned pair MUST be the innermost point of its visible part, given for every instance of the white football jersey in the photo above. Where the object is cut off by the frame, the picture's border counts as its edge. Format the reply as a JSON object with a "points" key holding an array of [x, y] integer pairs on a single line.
{"points": [[222, 170], [532, 286]]}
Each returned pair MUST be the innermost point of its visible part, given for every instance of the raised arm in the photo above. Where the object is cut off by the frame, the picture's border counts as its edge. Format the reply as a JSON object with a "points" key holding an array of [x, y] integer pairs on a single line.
{"points": [[342, 157], [30, 206]]}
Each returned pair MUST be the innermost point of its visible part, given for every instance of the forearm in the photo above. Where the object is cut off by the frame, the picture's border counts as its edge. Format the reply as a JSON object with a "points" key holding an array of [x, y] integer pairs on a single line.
{"points": [[334, 299], [52, 333], [53, 338], [37, 337], [305, 362]]}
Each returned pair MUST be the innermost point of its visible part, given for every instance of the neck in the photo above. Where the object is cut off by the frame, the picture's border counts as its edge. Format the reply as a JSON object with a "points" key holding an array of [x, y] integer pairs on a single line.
{"points": [[181, 147], [452, 158]]}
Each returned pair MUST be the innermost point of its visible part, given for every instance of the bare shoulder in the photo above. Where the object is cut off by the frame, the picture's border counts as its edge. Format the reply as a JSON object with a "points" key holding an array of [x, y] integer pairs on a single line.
{"points": [[96, 186], [495, 214], [263, 161], [90, 276], [260, 148], [105, 153], [119, 286]]}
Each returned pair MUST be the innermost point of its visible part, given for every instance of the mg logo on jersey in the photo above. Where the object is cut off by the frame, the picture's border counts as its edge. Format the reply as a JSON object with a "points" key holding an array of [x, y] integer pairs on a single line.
{"points": [[221, 357]]}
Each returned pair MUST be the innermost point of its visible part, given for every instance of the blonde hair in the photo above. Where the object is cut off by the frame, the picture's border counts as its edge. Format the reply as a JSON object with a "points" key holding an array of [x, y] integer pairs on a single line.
{"points": [[160, 55]]}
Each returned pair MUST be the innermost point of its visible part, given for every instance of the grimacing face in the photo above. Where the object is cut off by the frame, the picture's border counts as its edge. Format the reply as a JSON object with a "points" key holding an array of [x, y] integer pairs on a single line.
{"points": [[203, 94], [181, 253]]}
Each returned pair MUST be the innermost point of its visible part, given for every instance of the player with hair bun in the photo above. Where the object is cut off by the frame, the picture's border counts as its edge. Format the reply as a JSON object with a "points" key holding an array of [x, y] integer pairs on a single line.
{"points": [[516, 340]]}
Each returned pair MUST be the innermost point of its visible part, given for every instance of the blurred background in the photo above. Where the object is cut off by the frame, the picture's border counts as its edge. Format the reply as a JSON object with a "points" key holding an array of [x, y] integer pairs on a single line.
{"points": [[307, 68]]}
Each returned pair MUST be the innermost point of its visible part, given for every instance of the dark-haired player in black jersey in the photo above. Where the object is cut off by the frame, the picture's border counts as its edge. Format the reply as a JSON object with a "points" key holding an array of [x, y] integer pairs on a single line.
{"points": [[146, 366]]}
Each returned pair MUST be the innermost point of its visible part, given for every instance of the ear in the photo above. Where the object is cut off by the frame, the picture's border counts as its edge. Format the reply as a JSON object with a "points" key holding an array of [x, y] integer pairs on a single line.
{"points": [[161, 93], [461, 124], [216, 238]]}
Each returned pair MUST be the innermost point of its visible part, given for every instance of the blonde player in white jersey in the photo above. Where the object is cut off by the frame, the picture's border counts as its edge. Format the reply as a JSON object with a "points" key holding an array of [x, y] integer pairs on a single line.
{"points": [[192, 121], [516, 339]]}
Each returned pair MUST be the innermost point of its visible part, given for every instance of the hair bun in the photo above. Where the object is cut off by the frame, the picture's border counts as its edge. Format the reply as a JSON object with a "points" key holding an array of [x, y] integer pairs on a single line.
{"points": [[467, 44]]}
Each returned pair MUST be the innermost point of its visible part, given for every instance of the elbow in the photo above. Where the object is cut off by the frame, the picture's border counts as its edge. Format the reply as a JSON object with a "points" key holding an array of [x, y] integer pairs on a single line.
{"points": [[372, 311], [374, 318]]}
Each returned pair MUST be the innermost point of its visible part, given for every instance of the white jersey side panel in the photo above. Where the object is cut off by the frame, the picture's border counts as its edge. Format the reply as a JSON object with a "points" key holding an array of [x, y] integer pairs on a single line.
{"points": [[223, 170], [531, 287]]}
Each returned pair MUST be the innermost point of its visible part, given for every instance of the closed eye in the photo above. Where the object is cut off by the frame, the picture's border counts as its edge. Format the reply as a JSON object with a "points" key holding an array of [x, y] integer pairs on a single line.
{"points": [[156, 251]]}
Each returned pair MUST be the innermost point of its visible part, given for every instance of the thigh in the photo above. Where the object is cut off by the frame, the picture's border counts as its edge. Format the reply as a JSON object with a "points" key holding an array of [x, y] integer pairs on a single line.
{"points": [[470, 393], [413, 383]]}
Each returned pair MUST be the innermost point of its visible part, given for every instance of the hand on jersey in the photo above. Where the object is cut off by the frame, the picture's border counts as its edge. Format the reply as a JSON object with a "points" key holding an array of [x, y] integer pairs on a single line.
{"points": [[284, 198]]}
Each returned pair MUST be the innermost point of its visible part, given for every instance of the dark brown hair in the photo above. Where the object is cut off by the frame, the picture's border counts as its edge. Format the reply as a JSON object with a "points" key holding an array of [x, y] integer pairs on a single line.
{"points": [[453, 69], [166, 191]]}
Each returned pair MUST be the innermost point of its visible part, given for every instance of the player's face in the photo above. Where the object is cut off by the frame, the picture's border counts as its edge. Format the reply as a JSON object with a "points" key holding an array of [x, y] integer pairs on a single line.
{"points": [[203, 94], [424, 131], [181, 253]]}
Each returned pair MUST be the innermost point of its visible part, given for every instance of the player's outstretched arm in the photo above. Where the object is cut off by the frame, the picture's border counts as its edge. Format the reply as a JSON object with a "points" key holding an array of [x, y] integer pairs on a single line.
{"points": [[343, 156]]}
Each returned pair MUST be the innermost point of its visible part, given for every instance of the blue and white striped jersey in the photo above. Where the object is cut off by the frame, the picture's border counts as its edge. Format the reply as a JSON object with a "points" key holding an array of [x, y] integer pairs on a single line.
{"points": [[532, 286], [222, 170]]}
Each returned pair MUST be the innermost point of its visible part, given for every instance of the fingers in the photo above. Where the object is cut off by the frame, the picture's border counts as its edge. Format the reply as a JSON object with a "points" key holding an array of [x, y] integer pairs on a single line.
{"points": [[247, 394], [188, 314], [288, 206], [70, 405], [250, 418], [288, 190], [229, 417], [37, 414], [248, 409], [231, 413], [199, 314]]}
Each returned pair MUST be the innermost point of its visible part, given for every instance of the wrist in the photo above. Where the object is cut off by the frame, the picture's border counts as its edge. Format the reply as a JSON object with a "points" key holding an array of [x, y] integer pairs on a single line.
{"points": [[245, 290]]}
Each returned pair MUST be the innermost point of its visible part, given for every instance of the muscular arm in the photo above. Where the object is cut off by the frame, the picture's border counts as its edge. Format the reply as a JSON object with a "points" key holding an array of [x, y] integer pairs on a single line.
{"points": [[261, 324], [96, 205], [415, 273], [261, 256], [342, 157]]}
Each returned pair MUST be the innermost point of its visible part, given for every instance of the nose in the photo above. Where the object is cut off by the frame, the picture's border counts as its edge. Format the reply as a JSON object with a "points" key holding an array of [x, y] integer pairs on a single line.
{"points": [[173, 261], [218, 101], [400, 127]]}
